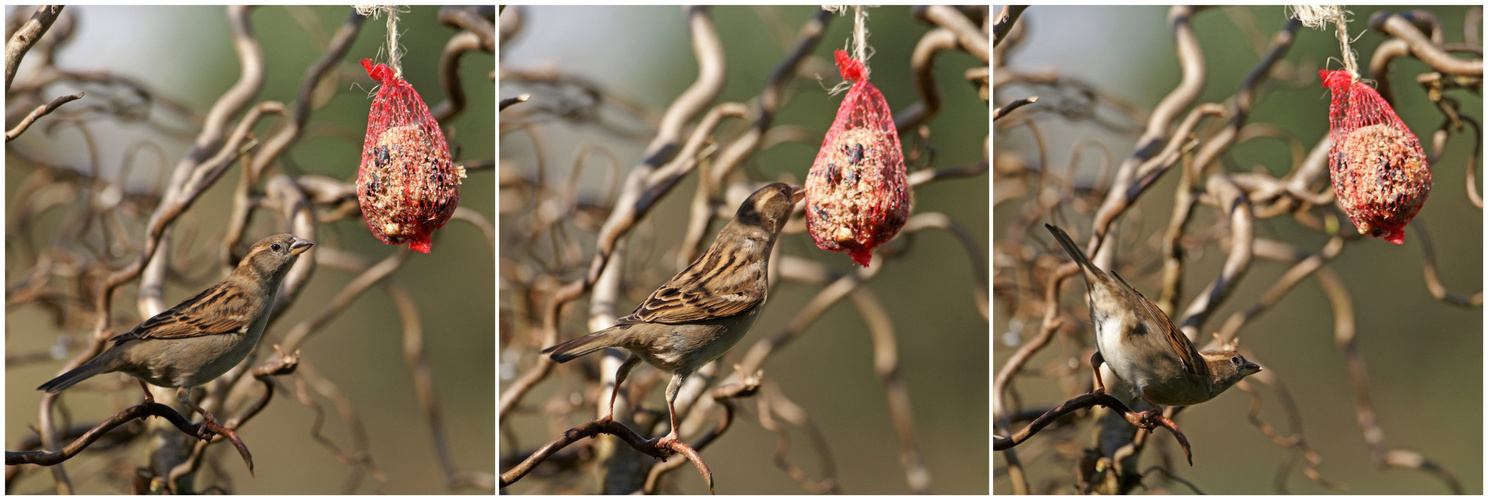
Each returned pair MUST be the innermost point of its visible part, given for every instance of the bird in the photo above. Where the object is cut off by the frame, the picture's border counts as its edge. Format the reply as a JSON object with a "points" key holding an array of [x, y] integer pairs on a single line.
{"points": [[204, 336], [705, 309], [1139, 344]]}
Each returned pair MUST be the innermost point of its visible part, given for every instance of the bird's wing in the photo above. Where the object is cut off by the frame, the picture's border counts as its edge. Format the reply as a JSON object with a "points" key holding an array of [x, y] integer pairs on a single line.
{"points": [[217, 310], [713, 287], [1187, 354], [1192, 361]]}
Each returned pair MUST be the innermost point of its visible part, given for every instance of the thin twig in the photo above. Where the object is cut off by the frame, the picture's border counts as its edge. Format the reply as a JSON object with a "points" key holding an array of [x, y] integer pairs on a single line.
{"points": [[508, 102], [1017, 103], [39, 112]]}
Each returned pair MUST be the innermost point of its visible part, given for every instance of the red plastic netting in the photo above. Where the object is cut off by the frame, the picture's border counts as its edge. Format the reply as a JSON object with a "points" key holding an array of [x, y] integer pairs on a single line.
{"points": [[857, 196], [406, 185], [1379, 171]]}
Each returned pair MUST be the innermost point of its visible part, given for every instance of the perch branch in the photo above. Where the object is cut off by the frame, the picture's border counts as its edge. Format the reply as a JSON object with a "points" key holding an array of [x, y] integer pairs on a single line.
{"points": [[613, 428]]}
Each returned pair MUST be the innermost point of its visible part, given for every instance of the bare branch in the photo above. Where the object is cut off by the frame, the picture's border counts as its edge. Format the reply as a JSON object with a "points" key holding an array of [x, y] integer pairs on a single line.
{"points": [[1422, 47], [39, 112], [1006, 18], [27, 36], [1017, 103]]}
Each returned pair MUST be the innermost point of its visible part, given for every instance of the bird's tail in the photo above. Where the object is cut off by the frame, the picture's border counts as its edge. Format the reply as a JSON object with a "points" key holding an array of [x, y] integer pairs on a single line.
{"points": [[1074, 251], [581, 346], [74, 376]]}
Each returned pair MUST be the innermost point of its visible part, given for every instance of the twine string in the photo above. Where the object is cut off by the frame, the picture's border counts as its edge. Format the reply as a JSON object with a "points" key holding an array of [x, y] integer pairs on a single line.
{"points": [[858, 43], [1318, 16], [394, 56], [860, 37]]}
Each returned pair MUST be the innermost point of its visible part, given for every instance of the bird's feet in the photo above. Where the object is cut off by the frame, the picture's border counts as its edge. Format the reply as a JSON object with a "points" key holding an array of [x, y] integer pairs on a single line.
{"points": [[1151, 419], [669, 444], [149, 397], [604, 422], [209, 427], [1147, 420], [1095, 363]]}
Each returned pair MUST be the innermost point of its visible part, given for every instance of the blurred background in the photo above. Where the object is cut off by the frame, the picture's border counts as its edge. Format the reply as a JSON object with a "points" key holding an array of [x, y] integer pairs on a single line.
{"points": [[184, 57], [640, 59], [1423, 356]]}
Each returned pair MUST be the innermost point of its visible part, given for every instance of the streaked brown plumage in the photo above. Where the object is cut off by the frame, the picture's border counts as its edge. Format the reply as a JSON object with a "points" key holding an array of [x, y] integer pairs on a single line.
{"points": [[699, 314], [204, 336], [1143, 347]]}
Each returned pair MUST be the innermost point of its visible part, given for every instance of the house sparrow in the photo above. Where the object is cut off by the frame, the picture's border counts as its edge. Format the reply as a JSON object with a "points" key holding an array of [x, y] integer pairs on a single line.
{"points": [[204, 336], [704, 310], [1142, 347]]}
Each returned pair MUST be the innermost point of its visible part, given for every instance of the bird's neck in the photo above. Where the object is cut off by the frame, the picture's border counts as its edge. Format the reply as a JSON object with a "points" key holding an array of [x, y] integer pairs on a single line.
{"points": [[253, 276], [752, 234]]}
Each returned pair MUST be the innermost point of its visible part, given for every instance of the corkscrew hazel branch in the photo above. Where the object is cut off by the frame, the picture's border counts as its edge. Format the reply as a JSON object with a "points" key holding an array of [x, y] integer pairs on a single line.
{"points": [[1143, 420], [595, 428], [24, 38], [39, 112]]}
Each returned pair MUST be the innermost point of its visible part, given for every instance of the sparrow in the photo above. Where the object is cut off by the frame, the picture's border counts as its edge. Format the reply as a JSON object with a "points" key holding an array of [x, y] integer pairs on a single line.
{"points": [[704, 310], [1143, 347], [204, 336]]}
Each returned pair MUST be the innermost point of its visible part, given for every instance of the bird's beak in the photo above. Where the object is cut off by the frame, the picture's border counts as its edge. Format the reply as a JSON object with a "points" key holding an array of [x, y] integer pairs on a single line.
{"points": [[798, 193], [299, 246]]}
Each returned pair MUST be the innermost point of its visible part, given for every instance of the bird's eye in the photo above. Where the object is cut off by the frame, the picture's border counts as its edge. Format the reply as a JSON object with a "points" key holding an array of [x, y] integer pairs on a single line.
{"points": [[1235, 360], [275, 247]]}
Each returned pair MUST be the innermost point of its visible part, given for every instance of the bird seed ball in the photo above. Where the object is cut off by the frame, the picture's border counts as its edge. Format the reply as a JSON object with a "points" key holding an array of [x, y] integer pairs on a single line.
{"points": [[1381, 179], [407, 184], [393, 159], [855, 201]]}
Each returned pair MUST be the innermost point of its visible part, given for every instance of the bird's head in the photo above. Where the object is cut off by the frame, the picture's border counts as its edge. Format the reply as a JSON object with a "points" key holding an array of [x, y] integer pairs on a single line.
{"points": [[1227, 367], [770, 206], [272, 257]]}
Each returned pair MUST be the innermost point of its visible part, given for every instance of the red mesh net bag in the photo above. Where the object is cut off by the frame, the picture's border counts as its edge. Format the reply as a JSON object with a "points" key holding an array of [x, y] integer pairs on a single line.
{"points": [[1379, 172], [857, 196], [406, 186]]}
